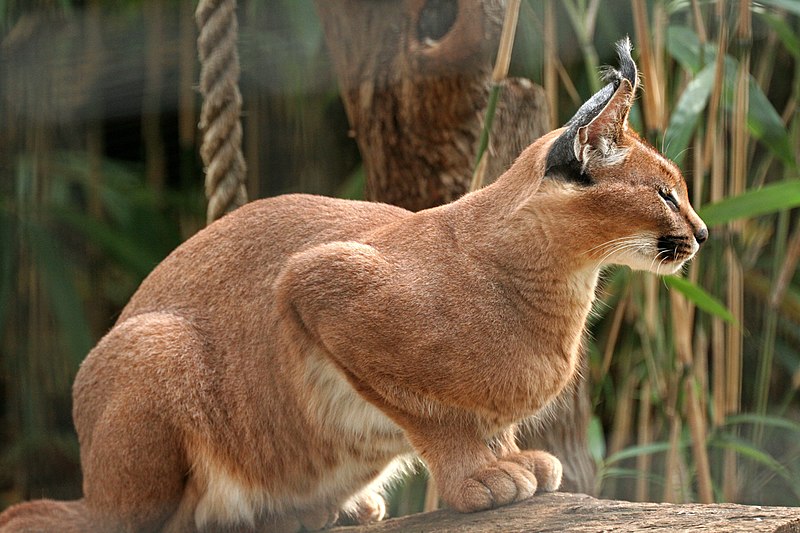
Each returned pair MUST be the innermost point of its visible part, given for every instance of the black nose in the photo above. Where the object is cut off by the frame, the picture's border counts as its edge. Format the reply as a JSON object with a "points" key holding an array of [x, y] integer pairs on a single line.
{"points": [[701, 235]]}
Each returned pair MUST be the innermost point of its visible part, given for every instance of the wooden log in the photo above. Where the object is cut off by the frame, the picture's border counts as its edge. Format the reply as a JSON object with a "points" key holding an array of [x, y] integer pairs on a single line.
{"points": [[559, 512]]}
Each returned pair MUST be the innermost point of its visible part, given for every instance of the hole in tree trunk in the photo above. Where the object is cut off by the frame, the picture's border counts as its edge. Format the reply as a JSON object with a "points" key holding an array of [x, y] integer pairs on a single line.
{"points": [[436, 18]]}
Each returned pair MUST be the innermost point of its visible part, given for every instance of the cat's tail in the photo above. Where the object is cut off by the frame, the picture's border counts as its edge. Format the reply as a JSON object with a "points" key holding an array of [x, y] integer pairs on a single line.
{"points": [[47, 516]]}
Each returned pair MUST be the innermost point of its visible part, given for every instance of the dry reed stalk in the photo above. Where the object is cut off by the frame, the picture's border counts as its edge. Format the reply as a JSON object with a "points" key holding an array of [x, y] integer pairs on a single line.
{"points": [[701, 346], [698, 184], [569, 86], [735, 297], [682, 319], [699, 26], [499, 74], [613, 334], [651, 305], [550, 74], [503, 59], [714, 158], [431, 496], [787, 270], [659, 25], [644, 437], [652, 97], [672, 476], [623, 415], [733, 376], [253, 143], [713, 108], [187, 61], [155, 156], [697, 426], [583, 17], [717, 325]]}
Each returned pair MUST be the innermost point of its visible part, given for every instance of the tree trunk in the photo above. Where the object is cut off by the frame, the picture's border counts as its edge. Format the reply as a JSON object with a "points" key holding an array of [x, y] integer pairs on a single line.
{"points": [[582, 514], [415, 80]]}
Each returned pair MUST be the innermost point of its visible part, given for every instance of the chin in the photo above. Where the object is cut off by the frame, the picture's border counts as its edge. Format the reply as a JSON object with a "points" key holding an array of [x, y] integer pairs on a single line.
{"points": [[668, 268], [649, 264]]}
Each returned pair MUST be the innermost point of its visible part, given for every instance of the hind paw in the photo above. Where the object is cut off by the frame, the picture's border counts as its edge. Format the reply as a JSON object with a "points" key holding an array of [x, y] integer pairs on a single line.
{"points": [[364, 508]]}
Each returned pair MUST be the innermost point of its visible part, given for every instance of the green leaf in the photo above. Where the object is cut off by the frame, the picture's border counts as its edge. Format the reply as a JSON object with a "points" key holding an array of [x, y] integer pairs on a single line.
{"points": [[687, 113], [747, 450], [784, 32], [596, 438], [700, 297], [119, 244], [64, 299], [684, 46], [764, 420], [792, 6], [768, 199], [763, 120], [8, 266], [636, 451], [765, 124]]}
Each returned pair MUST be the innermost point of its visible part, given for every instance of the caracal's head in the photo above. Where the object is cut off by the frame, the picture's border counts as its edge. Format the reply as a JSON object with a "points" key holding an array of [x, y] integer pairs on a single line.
{"points": [[632, 201]]}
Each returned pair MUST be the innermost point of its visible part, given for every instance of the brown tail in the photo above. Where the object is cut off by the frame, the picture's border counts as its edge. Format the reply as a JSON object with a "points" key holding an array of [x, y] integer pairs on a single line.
{"points": [[47, 516]]}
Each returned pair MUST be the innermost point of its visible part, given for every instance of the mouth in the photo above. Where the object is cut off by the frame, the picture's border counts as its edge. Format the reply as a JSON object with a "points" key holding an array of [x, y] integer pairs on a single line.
{"points": [[675, 249]]}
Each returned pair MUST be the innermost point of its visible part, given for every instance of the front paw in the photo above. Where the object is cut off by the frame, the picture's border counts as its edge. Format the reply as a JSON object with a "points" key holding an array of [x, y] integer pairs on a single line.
{"points": [[512, 478], [545, 466], [495, 485]]}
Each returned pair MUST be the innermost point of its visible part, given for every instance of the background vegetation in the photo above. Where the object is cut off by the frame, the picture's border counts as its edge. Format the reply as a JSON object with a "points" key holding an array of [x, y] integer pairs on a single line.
{"points": [[695, 378]]}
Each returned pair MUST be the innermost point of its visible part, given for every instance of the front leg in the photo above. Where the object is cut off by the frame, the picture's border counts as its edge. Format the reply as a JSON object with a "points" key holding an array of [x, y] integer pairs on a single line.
{"points": [[473, 475], [365, 313]]}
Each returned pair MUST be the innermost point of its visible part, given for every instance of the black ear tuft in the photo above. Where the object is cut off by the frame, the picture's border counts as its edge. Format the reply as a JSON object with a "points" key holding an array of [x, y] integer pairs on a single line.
{"points": [[627, 67], [561, 159]]}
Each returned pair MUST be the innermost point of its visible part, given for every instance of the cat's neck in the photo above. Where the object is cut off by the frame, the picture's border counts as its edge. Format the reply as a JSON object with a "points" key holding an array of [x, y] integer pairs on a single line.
{"points": [[528, 230]]}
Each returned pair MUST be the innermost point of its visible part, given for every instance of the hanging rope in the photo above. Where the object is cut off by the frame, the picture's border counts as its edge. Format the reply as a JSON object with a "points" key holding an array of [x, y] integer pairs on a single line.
{"points": [[221, 149]]}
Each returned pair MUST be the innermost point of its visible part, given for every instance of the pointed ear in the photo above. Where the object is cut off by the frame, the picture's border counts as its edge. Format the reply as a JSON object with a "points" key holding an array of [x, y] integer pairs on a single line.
{"points": [[601, 140], [595, 135]]}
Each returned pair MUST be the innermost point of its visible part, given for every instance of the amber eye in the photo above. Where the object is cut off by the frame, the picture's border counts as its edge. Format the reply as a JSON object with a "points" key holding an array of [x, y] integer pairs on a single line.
{"points": [[669, 199]]}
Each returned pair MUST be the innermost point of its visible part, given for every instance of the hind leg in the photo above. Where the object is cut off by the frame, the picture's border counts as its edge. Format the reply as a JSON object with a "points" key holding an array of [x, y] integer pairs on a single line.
{"points": [[131, 396], [134, 471]]}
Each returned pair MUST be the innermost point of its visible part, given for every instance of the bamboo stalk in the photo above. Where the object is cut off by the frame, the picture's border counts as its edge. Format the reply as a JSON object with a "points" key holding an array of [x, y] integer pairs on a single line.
{"points": [[621, 429], [187, 61], [499, 74], [697, 426], [737, 184], [682, 319], [550, 74], [651, 98], [672, 481], [644, 437], [613, 334], [583, 21], [155, 158], [431, 496], [713, 109]]}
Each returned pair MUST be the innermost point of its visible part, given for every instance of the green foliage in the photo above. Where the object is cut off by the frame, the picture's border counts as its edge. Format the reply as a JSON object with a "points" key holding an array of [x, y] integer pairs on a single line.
{"points": [[700, 297], [753, 203]]}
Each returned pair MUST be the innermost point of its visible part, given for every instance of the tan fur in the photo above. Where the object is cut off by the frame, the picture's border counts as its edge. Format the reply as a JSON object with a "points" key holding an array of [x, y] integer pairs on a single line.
{"points": [[280, 365]]}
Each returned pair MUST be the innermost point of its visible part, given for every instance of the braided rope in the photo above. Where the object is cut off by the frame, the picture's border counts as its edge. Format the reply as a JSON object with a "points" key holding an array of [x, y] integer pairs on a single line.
{"points": [[221, 149]]}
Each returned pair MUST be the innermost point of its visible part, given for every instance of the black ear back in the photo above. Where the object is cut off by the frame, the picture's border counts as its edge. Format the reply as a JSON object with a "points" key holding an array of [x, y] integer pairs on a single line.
{"points": [[562, 161]]}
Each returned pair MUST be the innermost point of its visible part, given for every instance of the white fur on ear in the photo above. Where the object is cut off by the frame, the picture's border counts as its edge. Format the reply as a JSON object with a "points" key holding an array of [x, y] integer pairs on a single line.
{"points": [[606, 152], [600, 141]]}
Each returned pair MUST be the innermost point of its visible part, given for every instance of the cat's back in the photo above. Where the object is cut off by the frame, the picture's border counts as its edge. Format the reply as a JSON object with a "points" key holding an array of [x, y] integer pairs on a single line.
{"points": [[236, 258]]}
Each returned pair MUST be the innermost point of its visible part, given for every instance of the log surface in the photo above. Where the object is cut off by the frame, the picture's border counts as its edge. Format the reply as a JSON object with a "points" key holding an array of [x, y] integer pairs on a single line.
{"points": [[564, 512]]}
